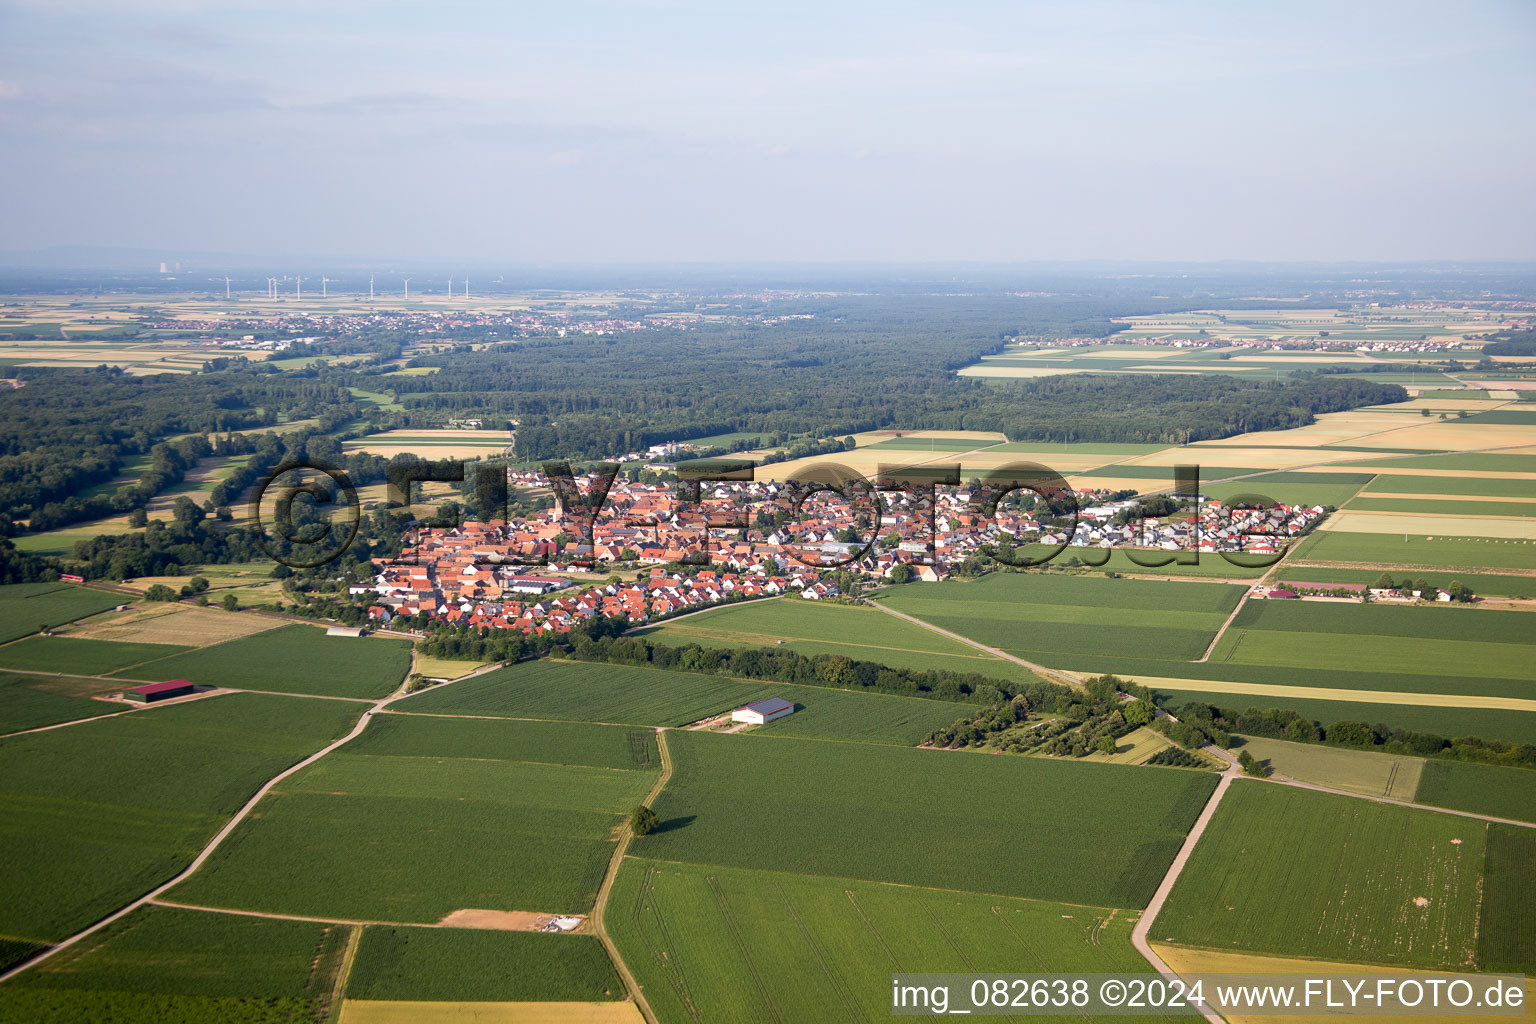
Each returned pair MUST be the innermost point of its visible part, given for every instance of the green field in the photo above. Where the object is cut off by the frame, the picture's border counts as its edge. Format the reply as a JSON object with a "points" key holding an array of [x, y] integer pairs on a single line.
{"points": [[412, 837], [1447, 506], [1355, 771], [1062, 620], [1481, 788], [979, 823], [27, 702], [1506, 934], [1390, 550], [27, 607], [100, 812], [581, 691], [81, 656], [1300, 873], [461, 965], [1459, 650], [162, 963], [293, 659], [1451, 483], [1458, 462], [1210, 565], [730, 944], [562, 743], [812, 628], [1294, 488]]}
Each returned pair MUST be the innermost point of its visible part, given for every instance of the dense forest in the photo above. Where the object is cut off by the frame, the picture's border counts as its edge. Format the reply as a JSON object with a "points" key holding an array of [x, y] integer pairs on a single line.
{"points": [[846, 367], [67, 432]]}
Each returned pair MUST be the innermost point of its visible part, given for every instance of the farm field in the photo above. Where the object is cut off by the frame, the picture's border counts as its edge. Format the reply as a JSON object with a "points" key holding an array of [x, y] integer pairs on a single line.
{"points": [[1209, 567], [466, 965], [97, 813], [721, 942], [1481, 788], [1356, 771], [985, 824], [1413, 480], [1506, 939], [562, 743], [1060, 620], [185, 965], [1299, 873], [1417, 549], [27, 607], [445, 668], [293, 659], [348, 836], [81, 657], [1293, 488], [1445, 506], [27, 702], [813, 628], [580, 691], [172, 623], [1446, 522], [1472, 651]]}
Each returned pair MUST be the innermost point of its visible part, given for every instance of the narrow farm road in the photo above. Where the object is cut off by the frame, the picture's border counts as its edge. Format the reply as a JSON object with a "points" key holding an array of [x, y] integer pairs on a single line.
{"points": [[223, 833], [1149, 915], [599, 928], [1039, 670]]}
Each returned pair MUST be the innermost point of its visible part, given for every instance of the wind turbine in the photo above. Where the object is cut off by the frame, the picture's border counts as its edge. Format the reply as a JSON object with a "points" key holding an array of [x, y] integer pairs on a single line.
{"points": [[271, 287], [466, 287], [297, 293], [450, 287], [323, 282], [226, 286], [407, 289], [370, 287]]}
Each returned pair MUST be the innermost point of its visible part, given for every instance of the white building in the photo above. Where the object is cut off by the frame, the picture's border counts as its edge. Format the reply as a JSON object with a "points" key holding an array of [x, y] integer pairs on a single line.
{"points": [[763, 711]]}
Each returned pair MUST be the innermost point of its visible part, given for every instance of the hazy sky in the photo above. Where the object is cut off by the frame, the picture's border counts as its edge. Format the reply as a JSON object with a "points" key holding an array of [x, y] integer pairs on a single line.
{"points": [[785, 131]]}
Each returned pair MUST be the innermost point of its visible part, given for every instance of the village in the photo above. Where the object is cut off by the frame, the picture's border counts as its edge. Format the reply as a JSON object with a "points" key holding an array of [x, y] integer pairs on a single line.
{"points": [[753, 539]]}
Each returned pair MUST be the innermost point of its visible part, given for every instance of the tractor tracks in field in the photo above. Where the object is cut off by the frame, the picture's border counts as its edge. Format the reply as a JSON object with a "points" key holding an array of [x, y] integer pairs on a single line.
{"points": [[605, 891]]}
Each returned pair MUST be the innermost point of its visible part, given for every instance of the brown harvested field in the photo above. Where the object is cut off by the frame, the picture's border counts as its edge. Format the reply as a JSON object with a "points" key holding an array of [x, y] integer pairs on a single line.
{"points": [[1059, 461], [505, 920], [368, 1011], [443, 668], [866, 462], [1454, 437], [994, 370], [1186, 960], [1428, 700], [1228, 454], [1500, 527], [184, 624]]}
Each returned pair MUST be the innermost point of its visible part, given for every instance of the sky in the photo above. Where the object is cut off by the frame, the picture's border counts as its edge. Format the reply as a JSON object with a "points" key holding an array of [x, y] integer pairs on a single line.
{"points": [[661, 131]]}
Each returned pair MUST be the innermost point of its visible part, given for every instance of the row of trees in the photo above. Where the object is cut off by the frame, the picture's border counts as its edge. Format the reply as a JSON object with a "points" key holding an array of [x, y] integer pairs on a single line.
{"points": [[1218, 723]]}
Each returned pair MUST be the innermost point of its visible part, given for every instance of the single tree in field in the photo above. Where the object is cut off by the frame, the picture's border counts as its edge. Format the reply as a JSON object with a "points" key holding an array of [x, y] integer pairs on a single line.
{"points": [[1252, 765], [1107, 745], [231, 603], [642, 820]]}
